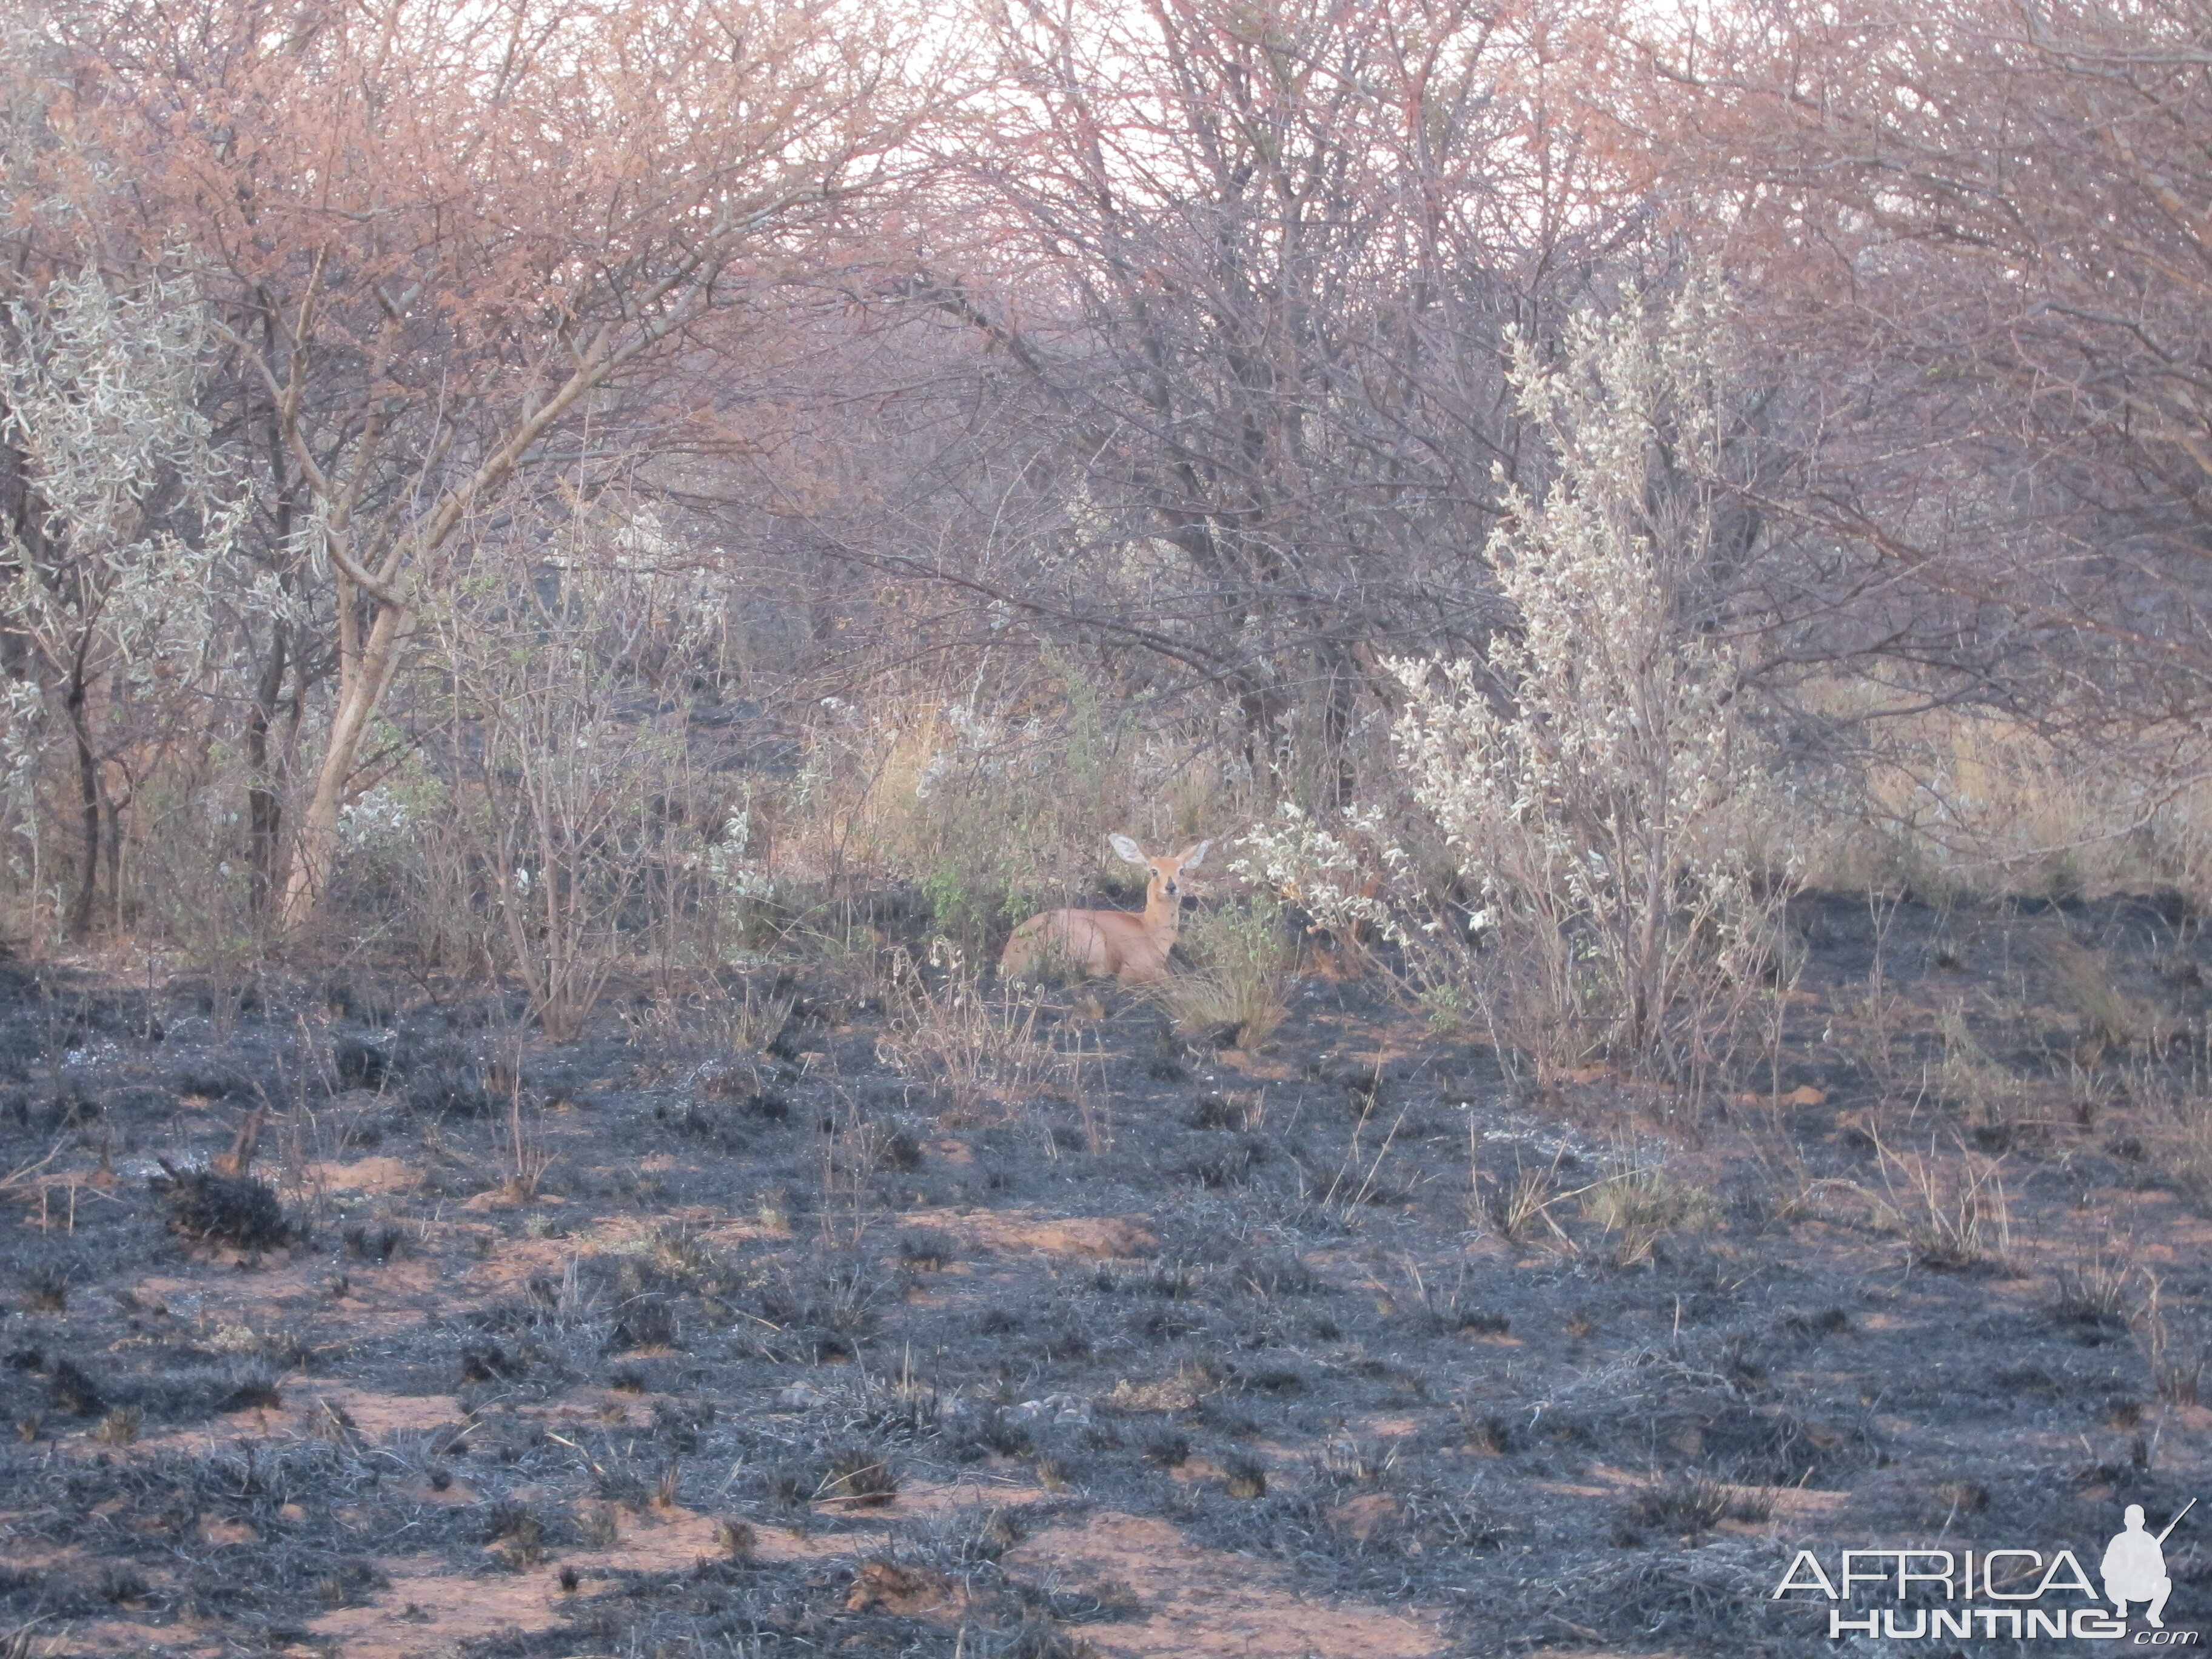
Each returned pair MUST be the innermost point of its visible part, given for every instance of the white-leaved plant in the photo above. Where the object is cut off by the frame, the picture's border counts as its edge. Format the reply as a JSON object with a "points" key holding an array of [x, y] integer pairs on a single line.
{"points": [[1597, 777], [108, 583], [1332, 877]]}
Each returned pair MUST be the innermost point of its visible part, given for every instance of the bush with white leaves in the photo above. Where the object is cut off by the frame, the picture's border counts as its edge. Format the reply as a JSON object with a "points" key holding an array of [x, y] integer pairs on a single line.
{"points": [[1597, 777], [114, 570]]}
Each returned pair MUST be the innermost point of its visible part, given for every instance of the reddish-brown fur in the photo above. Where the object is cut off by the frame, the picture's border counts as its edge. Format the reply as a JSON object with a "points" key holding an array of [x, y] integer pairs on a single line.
{"points": [[1111, 944]]}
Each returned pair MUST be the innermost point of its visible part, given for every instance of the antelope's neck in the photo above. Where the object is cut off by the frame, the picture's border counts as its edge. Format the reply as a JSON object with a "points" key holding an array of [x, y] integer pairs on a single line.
{"points": [[1163, 915]]}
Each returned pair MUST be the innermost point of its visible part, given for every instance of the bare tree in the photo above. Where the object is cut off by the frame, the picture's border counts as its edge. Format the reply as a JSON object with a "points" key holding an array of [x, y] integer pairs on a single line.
{"points": [[1261, 262], [1979, 231], [449, 244]]}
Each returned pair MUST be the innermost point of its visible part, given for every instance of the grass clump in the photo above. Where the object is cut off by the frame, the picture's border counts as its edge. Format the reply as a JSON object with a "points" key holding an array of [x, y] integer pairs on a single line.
{"points": [[1992, 1098], [599, 1526], [1691, 1502], [2097, 1293], [860, 1476], [1642, 1197], [2107, 1021], [983, 1049], [927, 1251], [120, 1425], [1244, 1477], [71, 1391], [1955, 1217], [209, 1208], [1242, 957]]}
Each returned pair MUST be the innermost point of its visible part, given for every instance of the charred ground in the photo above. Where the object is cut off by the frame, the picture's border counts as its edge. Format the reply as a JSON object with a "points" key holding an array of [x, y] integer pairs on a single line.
{"points": [[740, 1329]]}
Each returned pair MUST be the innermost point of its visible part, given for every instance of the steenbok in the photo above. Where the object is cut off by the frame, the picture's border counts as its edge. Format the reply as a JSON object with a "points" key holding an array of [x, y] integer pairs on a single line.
{"points": [[1110, 944]]}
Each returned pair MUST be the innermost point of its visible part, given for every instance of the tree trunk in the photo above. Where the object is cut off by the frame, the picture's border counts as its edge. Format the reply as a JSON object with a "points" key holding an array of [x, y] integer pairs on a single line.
{"points": [[1340, 676], [363, 683], [88, 779], [114, 810], [264, 805]]}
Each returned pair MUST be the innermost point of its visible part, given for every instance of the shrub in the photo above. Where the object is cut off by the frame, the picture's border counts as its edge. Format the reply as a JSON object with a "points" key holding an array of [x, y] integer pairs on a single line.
{"points": [[570, 804], [209, 1207], [984, 1049], [1595, 776]]}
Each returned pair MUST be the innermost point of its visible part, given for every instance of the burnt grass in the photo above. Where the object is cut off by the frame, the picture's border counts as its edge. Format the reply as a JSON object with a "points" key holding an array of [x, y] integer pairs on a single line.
{"points": [[758, 1286]]}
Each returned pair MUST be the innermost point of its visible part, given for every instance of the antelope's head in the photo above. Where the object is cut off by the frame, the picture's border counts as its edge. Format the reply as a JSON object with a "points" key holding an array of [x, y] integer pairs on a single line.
{"points": [[1165, 885]]}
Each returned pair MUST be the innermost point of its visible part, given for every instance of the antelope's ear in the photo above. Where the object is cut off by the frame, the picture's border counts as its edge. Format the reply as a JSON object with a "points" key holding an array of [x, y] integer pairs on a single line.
{"points": [[1128, 849], [1195, 856]]}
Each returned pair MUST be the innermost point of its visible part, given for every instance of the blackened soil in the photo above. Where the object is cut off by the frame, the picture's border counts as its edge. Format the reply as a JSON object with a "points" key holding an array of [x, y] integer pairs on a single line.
{"points": [[699, 1336]]}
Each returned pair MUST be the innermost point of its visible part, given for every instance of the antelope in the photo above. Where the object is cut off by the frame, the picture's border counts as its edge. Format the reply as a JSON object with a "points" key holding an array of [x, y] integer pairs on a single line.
{"points": [[1111, 944]]}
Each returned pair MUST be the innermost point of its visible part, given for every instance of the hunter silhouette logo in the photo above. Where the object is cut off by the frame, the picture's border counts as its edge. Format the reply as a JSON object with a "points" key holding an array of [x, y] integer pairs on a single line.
{"points": [[2024, 1594], [2135, 1566]]}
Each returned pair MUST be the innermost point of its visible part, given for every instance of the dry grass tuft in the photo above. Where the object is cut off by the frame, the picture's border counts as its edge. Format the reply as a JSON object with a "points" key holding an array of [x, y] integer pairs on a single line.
{"points": [[1992, 1097], [2107, 1020], [1952, 1213], [2177, 1358], [1516, 1207], [598, 1526], [860, 1477], [1640, 1196], [2099, 1291], [1691, 1502], [69, 1390], [1244, 1477], [119, 1426], [1243, 961], [986, 1050], [1961, 801]]}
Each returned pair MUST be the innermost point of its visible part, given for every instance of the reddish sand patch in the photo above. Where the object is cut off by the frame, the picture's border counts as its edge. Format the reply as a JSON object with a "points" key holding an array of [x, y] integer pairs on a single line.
{"points": [[1024, 1232], [1362, 1516], [48, 1561], [372, 1416], [1209, 1604], [112, 1636], [657, 1539], [454, 1494], [1389, 1427], [367, 1175], [429, 1608], [1260, 1068], [1169, 1393]]}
